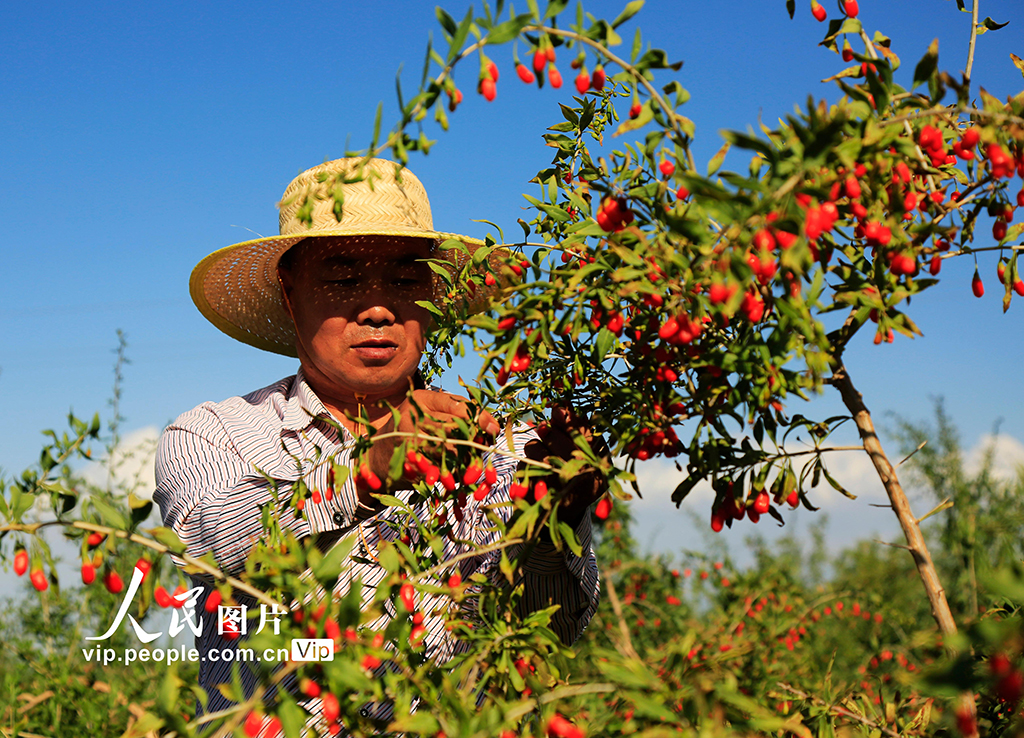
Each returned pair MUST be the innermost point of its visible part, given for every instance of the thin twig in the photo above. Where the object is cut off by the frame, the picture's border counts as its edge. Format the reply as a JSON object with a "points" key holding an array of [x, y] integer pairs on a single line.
{"points": [[961, 252], [613, 599], [626, 66], [839, 711], [447, 563], [569, 690], [893, 545], [906, 124], [947, 111], [213, 571], [919, 447], [944, 505]]}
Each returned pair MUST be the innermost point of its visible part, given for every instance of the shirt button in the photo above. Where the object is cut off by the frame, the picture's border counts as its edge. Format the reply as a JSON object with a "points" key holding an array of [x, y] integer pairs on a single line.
{"points": [[365, 712], [339, 519]]}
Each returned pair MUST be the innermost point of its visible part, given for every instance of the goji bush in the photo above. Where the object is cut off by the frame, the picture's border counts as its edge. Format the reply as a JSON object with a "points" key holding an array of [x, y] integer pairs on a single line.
{"points": [[678, 309]]}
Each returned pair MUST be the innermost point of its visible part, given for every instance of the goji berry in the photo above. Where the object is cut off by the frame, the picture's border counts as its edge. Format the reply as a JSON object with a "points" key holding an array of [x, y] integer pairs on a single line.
{"points": [[21, 562], [554, 76]]}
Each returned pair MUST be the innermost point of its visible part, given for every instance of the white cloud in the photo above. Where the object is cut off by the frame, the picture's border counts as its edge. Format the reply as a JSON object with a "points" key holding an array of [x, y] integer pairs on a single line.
{"points": [[132, 467], [853, 470], [661, 527], [1009, 456]]}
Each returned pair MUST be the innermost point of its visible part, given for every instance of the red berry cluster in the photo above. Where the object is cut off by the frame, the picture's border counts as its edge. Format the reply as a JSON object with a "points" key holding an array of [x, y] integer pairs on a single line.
{"points": [[730, 506], [614, 214]]}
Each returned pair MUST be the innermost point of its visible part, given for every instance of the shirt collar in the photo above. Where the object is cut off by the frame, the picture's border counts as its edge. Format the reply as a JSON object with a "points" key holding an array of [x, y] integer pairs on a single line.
{"points": [[302, 406]]}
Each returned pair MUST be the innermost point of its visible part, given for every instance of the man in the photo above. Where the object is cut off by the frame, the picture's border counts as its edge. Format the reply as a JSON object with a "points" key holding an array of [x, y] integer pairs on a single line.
{"points": [[342, 297]]}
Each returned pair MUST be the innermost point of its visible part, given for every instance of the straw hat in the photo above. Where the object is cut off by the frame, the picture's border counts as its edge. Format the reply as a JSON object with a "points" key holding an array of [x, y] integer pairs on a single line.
{"points": [[237, 288]]}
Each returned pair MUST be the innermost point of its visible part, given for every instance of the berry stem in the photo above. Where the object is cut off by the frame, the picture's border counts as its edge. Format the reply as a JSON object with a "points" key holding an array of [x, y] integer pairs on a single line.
{"points": [[32, 528], [648, 85]]}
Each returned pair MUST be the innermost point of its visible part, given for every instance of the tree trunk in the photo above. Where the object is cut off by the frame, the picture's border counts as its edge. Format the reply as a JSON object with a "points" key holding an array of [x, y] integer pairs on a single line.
{"points": [[901, 506]]}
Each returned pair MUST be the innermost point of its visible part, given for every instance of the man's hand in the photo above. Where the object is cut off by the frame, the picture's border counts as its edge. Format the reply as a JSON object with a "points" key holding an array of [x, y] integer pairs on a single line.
{"points": [[427, 413], [556, 441]]}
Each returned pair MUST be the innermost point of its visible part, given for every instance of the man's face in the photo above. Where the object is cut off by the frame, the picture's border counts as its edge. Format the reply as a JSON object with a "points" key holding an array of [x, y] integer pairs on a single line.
{"points": [[360, 331]]}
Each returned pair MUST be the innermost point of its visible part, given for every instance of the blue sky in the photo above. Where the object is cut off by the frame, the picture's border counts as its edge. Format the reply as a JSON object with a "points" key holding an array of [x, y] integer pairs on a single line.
{"points": [[137, 138]]}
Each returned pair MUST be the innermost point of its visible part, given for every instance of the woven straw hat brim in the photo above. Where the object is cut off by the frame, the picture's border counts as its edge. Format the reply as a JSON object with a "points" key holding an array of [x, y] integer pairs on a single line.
{"points": [[237, 288]]}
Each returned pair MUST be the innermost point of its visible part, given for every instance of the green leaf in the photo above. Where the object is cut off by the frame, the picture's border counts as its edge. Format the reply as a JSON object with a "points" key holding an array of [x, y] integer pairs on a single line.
{"points": [[526, 228], [430, 308], [685, 487], [605, 341], [716, 161], [447, 22], [656, 59], [990, 25], [510, 29], [570, 115], [570, 538], [632, 124], [376, 122], [837, 28], [167, 537], [879, 90], [139, 513], [293, 717], [744, 141], [836, 485], [421, 722], [110, 514], [682, 95], [555, 7], [791, 8], [926, 68], [628, 12], [552, 211], [330, 565], [388, 557], [1017, 62], [459, 37]]}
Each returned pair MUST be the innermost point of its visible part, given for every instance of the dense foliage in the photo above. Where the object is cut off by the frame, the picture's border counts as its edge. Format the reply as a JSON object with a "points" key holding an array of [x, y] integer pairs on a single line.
{"points": [[678, 312], [800, 637]]}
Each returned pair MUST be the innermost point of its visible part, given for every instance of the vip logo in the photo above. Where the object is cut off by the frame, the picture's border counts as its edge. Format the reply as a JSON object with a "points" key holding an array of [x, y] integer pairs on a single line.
{"points": [[312, 649]]}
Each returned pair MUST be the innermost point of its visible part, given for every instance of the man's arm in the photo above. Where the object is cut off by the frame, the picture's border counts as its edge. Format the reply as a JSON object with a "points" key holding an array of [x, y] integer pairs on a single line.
{"points": [[210, 488], [210, 496], [550, 577]]}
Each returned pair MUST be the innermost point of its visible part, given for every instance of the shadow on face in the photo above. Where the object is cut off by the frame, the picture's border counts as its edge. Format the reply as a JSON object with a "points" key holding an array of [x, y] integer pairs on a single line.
{"points": [[353, 301]]}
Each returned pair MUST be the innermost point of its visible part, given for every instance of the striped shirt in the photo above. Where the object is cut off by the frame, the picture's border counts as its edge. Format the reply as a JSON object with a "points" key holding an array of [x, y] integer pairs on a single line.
{"points": [[210, 485]]}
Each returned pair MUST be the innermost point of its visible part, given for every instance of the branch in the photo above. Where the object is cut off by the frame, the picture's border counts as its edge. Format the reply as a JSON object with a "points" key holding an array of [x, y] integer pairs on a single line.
{"points": [[447, 563], [558, 693], [471, 444], [839, 711], [213, 571], [983, 248], [847, 331], [970, 49], [626, 66], [901, 506], [911, 530], [627, 642]]}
